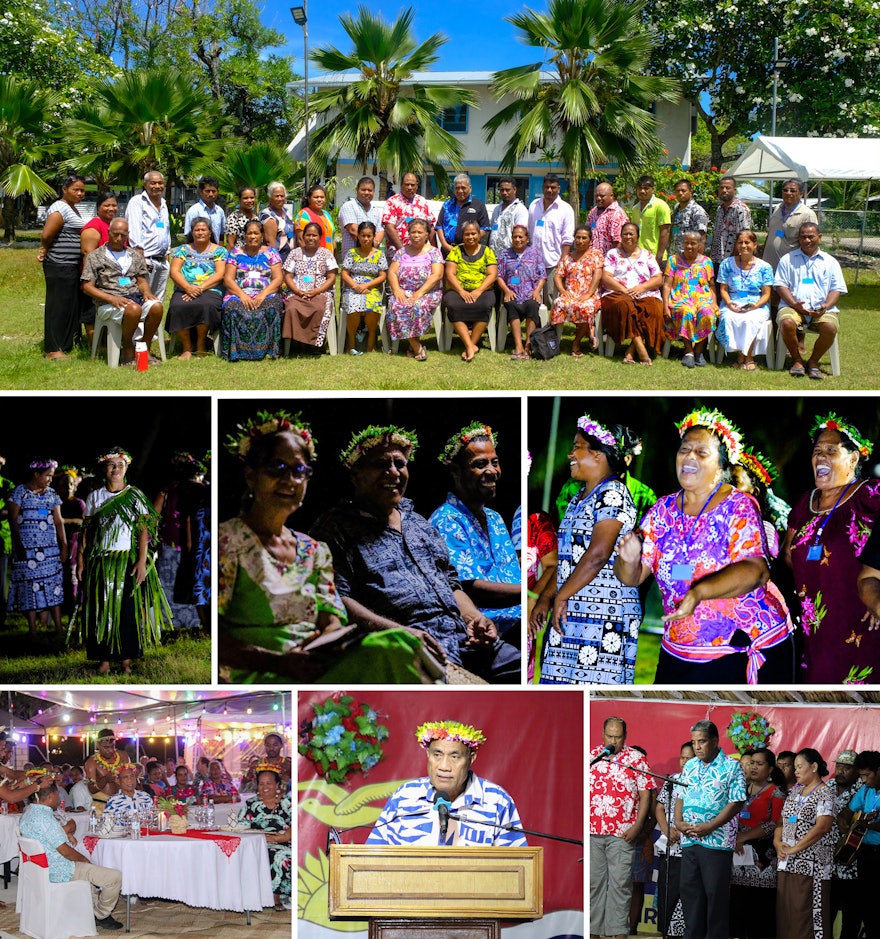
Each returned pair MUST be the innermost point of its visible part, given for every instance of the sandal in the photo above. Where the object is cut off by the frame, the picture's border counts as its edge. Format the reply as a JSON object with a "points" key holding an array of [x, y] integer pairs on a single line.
{"points": [[520, 357], [628, 360], [279, 908], [797, 371], [419, 356], [749, 366], [815, 373], [576, 354]]}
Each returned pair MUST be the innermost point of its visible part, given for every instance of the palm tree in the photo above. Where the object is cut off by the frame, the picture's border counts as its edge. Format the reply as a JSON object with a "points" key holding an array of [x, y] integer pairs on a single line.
{"points": [[26, 128], [370, 115], [590, 95], [257, 164], [148, 119]]}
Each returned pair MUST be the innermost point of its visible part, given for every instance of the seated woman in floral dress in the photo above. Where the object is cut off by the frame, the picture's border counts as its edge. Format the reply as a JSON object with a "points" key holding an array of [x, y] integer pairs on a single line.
{"points": [[270, 812]]}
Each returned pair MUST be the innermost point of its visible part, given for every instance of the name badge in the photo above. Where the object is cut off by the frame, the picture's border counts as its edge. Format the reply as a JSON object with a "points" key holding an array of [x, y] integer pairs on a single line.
{"points": [[743, 295], [308, 279], [593, 225], [42, 512], [814, 552], [408, 220], [159, 223], [808, 280], [792, 819], [780, 233], [540, 223], [514, 280], [494, 228], [745, 815], [124, 281], [682, 572]]}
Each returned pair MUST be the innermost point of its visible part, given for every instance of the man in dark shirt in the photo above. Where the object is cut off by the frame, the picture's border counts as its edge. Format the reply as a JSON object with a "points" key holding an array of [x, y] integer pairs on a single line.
{"points": [[392, 567]]}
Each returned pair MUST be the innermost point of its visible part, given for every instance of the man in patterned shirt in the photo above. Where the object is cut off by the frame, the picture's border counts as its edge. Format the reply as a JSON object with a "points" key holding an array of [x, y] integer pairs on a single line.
{"points": [[845, 892], [731, 217], [713, 790], [480, 546], [688, 216], [451, 805], [606, 219], [620, 800], [401, 209]]}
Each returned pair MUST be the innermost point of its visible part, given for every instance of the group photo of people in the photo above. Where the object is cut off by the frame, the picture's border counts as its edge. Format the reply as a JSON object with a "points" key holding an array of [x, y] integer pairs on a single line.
{"points": [[359, 541], [748, 815], [105, 539], [179, 812], [712, 540]]}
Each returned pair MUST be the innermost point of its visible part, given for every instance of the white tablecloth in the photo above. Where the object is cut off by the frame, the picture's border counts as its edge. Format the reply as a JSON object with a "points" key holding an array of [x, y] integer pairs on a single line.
{"points": [[192, 870], [9, 833], [222, 811]]}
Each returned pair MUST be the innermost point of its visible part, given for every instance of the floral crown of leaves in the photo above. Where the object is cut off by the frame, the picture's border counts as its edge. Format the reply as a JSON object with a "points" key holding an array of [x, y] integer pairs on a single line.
{"points": [[68, 469], [472, 738], [37, 772], [586, 425], [114, 455], [265, 767], [833, 422], [714, 421], [375, 435], [42, 464], [459, 440], [269, 422], [758, 465]]}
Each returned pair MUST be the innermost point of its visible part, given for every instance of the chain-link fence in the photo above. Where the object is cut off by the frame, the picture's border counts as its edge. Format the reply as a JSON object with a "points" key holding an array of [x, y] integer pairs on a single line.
{"points": [[853, 237]]}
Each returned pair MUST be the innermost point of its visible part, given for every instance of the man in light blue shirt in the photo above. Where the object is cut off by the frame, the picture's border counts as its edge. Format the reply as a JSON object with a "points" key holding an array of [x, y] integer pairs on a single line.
{"points": [[711, 792], [64, 862], [206, 207], [809, 283], [149, 231]]}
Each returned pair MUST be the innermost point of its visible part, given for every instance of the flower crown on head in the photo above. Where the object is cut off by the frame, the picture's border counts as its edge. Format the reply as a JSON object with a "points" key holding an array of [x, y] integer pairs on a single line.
{"points": [[265, 767], [714, 421], [115, 455], [833, 422], [375, 435], [459, 440], [68, 469], [586, 425], [42, 464], [758, 466], [269, 422], [472, 738]]}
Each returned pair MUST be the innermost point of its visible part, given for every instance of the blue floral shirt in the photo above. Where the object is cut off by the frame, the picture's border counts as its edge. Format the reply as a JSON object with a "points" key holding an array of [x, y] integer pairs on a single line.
{"points": [[39, 823], [480, 555], [710, 789]]}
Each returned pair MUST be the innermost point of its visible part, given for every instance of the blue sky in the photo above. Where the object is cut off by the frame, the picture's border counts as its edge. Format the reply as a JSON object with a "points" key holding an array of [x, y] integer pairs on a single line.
{"points": [[478, 37]]}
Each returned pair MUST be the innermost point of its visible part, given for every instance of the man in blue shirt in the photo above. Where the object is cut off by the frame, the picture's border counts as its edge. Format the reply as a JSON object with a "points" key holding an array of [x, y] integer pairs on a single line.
{"points": [[206, 207], [711, 793], [867, 801], [413, 816], [480, 547], [64, 861]]}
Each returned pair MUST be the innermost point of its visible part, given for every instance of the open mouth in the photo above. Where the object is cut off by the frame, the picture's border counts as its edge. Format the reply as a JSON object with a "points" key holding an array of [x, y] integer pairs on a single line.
{"points": [[689, 470], [822, 471]]}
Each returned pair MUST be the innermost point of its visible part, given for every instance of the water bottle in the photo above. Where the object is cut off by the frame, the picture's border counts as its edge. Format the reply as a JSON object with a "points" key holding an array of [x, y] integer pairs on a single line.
{"points": [[93, 821], [135, 826], [211, 816], [4, 808]]}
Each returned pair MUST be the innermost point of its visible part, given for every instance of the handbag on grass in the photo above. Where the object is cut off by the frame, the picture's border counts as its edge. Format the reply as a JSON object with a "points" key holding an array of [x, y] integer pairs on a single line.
{"points": [[544, 342]]}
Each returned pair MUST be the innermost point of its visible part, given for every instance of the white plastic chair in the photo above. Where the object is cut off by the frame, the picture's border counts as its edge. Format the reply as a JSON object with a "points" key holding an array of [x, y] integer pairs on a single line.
{"points": [[47, 910], [833, 354], [114, 338]]}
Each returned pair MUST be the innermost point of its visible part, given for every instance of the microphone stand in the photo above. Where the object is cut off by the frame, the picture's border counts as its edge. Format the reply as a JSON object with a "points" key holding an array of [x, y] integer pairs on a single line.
{"points": [[464, 817]]}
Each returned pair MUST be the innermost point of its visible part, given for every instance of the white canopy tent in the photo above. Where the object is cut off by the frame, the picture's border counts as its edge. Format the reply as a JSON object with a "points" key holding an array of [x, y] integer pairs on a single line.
{"points": [[809, 158]]}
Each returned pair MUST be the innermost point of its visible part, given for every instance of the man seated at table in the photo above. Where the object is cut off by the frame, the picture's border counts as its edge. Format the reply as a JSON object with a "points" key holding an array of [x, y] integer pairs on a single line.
{"points": [[65, 862], [417, 812], [101, 768], [80, 797], [154, 781], [129, 798], [273, 745]]}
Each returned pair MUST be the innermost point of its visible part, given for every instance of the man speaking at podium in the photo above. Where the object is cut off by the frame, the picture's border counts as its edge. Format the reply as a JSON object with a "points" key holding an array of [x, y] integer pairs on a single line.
{"points": [[451, 805]]}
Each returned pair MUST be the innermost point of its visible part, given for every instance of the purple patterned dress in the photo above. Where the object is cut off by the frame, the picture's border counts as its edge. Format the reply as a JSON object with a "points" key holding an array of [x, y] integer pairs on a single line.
{"points": [[408, 319]]}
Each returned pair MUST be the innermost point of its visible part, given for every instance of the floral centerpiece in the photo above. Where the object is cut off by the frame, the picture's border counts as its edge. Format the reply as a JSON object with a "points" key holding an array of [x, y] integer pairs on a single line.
{"points": [[176, 812], [342, 738], [749, 730]]}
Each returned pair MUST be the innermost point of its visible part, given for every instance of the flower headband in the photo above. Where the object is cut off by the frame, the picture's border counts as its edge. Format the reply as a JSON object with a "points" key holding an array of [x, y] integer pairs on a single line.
{"points": [[68, 469], [114, 455], [758, 466], [833, 422], [586, 425], [373, 436], [458, 441], [41, 464], [719, 425], [267, 422], [265, 767], [472, 738]]}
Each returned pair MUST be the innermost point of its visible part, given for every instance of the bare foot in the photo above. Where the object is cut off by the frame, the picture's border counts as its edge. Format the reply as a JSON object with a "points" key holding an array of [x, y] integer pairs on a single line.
{"points": [[52, 356], [104, 668], [185, 355]]}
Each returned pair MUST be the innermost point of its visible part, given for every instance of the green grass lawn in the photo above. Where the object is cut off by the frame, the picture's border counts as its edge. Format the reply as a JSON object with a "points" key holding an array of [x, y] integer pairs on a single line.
{"points": [[22, 365]]}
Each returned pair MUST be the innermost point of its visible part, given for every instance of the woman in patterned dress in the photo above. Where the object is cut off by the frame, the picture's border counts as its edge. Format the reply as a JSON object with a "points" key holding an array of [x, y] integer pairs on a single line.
{"points": [[416, 280], [689, 300], [521, 278], [803, 844], [827, 530], [197, 271], [39, 546], [277, 224], [577, 279], [309, 275], [313, 211], [595, 619], [250, 324], [270, 812], [471, 271], [364, 270], [236, 221], [744, 285]]}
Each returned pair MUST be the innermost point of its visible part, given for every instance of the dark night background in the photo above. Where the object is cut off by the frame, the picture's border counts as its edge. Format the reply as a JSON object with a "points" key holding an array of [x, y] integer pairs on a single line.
{"points": [[333, 422]]}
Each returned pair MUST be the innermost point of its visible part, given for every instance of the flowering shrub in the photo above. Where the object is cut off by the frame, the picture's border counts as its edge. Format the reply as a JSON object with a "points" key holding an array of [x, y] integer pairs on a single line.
{"points": [[704, 183], [748, 730]]}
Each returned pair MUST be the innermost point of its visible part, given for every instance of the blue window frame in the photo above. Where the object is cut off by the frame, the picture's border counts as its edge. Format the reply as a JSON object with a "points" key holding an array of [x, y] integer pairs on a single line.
{"points": [[454, 119]]}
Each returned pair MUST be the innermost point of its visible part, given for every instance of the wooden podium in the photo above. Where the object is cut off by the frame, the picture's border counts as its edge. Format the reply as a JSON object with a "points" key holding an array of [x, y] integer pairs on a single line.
{"points": [[436, 893]]}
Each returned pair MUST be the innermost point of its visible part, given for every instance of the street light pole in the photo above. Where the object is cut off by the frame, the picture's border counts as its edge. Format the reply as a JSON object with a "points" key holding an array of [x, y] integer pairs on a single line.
{"points": [[301, 18]]}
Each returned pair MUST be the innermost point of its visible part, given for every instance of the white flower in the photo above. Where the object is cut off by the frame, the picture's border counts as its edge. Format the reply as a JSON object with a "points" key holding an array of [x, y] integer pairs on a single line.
{"points": [[588, 655], [555, 638], [848, 82], [811, 31], [612, 497], [611, 642]]}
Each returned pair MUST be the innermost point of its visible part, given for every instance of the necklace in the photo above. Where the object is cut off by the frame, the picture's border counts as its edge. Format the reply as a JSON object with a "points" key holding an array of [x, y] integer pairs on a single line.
{"points": [[105, 763]]}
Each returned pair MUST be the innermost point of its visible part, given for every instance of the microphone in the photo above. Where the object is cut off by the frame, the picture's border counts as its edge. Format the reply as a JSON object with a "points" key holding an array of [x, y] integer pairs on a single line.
{"points": [[443, 803], [332, 838], [606, 751]]}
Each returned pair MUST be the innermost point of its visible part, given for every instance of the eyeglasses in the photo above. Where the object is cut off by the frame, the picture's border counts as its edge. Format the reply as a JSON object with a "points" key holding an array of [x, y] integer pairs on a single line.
{"points": [[299, 471]]}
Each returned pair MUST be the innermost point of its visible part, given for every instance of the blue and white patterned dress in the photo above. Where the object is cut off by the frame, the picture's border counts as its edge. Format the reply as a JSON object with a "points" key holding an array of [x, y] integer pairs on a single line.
{"points": [[598, 645], [37, 581]]}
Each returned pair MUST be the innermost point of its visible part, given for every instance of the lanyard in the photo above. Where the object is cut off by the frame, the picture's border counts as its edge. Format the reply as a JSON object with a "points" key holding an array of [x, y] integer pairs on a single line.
{"points": [[686, 540], [824, 522], [752, 798]]}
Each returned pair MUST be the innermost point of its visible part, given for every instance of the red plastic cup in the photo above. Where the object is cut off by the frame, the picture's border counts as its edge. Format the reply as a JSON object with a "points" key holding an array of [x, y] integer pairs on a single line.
{"points": [[141, 356]]}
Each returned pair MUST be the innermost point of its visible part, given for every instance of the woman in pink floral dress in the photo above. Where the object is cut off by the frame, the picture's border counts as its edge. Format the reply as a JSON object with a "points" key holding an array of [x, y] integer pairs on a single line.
{"points": [[577, 279]]}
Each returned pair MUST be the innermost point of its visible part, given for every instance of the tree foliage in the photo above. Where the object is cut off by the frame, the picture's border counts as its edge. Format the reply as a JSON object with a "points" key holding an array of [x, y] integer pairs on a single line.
{"points": [[388, 123], [257, 164], [590, 95]]}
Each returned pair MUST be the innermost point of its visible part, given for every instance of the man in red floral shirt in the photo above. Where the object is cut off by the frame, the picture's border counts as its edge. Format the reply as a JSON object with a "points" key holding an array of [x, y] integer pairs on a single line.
{"points": [[620, 800]]}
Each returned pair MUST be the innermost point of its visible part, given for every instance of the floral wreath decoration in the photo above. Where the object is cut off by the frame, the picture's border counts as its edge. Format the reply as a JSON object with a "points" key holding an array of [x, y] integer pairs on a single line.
{"points": [[749, 730], [68, 469], [755, 463], [268, 422], [374, 435], [833, 422], [42, 464], [119, 454], [726, 431], [472, 738], [344, 737], [264, 766], [586, 425], [462, 438]]}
